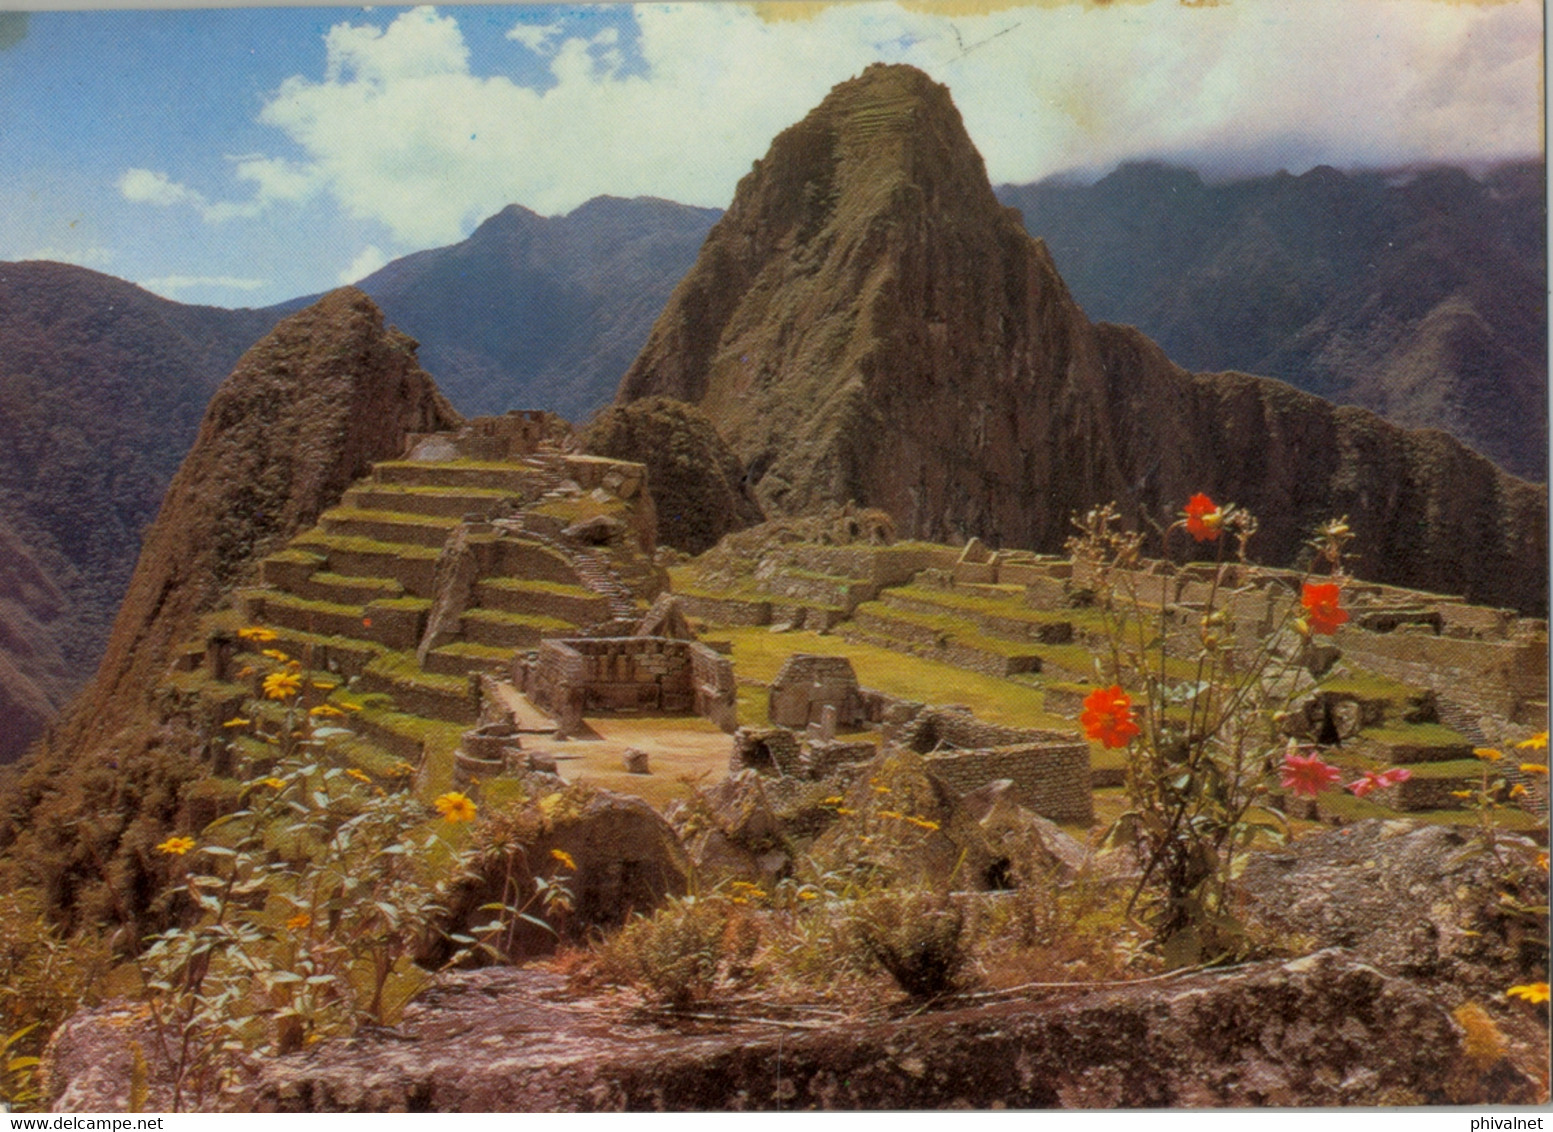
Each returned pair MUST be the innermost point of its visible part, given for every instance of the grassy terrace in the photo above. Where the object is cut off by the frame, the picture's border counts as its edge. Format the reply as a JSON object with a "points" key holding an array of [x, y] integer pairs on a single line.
{"points": [[956, 629], [538, 586], [358, 545], [535, 621], [1011, 607], [758, 654]]}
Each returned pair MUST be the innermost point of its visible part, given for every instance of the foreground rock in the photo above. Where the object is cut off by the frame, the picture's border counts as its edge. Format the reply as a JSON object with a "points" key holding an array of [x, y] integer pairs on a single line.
{"points": [[1324, 1030], [1424, 901]]}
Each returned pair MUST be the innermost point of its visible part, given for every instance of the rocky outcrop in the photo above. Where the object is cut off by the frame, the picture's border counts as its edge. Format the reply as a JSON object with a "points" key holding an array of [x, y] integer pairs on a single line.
{"points": [[1426, 901], [1327, 1030], [613, 853], [304, 413], [867, 323], [694, 476]]}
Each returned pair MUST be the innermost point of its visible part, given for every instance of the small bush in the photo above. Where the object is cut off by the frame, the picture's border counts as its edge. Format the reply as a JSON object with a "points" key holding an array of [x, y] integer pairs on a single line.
{"points": [[917, 938], [683, 953]]}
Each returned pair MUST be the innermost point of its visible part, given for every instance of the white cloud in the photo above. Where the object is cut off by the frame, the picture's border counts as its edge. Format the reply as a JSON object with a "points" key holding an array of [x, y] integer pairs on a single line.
{"points": [[371, 258], [81, 257], [169, 286], [536, 37], [145, 186], [401, 132]]}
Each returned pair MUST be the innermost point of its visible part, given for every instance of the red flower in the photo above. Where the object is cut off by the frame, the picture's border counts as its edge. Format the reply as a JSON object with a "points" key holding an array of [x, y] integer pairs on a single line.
{"points": [[1320, 600], [1308, 775], [1203, 518], [1379, 780], [1108, 716]]}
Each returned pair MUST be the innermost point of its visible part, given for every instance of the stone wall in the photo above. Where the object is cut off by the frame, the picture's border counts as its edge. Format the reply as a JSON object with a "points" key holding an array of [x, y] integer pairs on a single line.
{"points": [[1052, 778], [1488, 676], [807, 684]]}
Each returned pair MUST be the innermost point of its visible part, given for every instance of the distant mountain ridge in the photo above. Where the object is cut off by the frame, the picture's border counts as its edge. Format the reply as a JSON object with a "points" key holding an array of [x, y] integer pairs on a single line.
{"points": [[867, 323], [536, 312], [1419, 294], [102, 386]]}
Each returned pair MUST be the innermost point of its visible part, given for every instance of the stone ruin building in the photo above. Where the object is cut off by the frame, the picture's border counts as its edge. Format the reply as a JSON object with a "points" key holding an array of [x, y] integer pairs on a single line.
{"points": [[813, 697], [570, 678]]}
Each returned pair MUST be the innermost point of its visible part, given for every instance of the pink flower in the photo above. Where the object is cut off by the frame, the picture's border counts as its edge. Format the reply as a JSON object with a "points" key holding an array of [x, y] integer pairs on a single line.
{"points": [[1379, 780], [1308, 775]]}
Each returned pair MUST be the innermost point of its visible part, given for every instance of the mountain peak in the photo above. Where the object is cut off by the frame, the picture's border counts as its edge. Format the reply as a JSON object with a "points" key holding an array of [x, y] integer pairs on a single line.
{"points": [[867, 324]]}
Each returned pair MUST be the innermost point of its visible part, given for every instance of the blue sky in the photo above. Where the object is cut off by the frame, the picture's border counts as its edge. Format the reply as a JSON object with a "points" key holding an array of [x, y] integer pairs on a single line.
{"points": [[240, 157]]}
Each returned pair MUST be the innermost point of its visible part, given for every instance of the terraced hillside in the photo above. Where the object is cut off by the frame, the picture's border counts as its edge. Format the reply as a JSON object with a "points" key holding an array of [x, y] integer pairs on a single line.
{"points": [[428, 576]]}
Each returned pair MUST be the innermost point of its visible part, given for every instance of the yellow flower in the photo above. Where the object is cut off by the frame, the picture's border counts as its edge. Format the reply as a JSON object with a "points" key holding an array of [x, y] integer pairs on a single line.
{"points": [[455, 807], [282, 685], [1542, 861], [924, 823], [401, 769], [325, 709], [807, 894], [1539, 742], [881, 789], [257, 633], [1517, 791], [844, 812], [237, 721], [348, 706], [273, 783], [325, 685], [1487, 754], [275, 654], [244, 672], [564, 857], [176, 846], [833, 800], [1531, 992], [299, 921], [359, 776], [1461, 793], [1534, 768]]}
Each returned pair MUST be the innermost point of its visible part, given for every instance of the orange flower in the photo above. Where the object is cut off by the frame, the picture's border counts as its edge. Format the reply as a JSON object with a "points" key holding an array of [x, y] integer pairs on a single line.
{"points": [[564, 857], [176, 846], [1322, 610], [358, 775], [298, 922], [1108, 717], [1203, 518], [1534, 768]]}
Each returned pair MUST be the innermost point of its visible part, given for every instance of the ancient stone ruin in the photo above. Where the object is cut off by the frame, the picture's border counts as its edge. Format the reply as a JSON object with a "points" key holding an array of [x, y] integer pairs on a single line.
{"points": [[574, 677]]}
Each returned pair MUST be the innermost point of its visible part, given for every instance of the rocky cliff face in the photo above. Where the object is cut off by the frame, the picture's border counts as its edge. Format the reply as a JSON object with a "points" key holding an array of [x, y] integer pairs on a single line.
{"points": [[305, 412], [867, 322]]}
